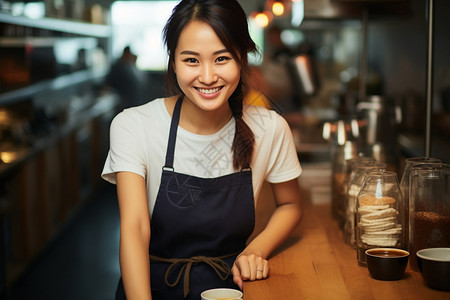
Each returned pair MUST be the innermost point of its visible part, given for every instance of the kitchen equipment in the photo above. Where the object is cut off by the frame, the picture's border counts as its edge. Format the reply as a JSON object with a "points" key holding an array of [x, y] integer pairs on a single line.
{"points": [[305, 74], [382, 119], [380, 133]]}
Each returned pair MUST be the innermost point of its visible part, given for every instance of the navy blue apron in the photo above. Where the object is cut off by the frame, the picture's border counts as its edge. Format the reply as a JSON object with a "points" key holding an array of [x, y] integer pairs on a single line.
{"points": [[198, 227]]}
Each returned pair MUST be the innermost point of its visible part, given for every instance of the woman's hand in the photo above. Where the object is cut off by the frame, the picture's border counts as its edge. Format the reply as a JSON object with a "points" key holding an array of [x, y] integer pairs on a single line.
{"points": [[249, 267]]}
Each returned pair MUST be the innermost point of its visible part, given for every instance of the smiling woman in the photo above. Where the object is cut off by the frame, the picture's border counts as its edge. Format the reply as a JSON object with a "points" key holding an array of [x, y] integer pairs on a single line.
{"points": [[193, 219]]}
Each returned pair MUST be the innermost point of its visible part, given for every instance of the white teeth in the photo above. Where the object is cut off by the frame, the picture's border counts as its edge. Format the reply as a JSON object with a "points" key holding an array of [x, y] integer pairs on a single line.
{"points": [[208, 91]]}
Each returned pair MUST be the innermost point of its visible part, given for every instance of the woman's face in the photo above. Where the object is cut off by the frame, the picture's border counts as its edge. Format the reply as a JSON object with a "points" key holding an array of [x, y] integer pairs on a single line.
{"points": [[206, 71]]}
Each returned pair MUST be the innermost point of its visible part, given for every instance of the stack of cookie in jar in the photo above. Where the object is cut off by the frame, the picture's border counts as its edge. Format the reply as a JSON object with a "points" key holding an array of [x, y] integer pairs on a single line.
{"points": [[378, 221]]}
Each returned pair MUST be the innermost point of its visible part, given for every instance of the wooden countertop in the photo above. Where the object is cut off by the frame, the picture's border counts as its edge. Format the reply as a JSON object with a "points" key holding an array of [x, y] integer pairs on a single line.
{"points": [[315, 263]]}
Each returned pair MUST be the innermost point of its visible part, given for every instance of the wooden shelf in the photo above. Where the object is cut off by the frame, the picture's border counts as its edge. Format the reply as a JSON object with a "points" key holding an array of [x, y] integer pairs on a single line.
{"points": [[41, 41], [103, 105], [68, 26], [58, 83]]}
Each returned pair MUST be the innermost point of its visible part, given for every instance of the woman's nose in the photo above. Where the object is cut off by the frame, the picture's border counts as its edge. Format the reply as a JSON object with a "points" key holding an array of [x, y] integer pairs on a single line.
{"points": [[208, 74]]}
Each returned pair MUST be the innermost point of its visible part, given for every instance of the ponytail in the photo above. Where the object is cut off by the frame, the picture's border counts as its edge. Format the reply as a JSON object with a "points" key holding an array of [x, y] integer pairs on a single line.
{"points": [[244, 139]]}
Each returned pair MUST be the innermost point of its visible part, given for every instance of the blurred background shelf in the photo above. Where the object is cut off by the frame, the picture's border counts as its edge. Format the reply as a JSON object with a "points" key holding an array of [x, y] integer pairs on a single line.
{"points": [[61, 82], [67, 26]]}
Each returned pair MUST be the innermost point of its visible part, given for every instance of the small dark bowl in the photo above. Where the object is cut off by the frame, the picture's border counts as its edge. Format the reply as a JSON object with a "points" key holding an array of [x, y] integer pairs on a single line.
{"points": [[434, 264], [387, 263]]}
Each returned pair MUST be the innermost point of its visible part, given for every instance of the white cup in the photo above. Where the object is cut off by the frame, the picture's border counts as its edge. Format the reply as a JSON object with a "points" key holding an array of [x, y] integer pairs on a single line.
{"points": [[222, 294]]}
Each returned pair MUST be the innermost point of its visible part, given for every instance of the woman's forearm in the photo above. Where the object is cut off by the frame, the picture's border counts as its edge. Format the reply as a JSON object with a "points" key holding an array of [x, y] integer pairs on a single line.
{"points": [[283, 221], [135, 264], [134, 235]]}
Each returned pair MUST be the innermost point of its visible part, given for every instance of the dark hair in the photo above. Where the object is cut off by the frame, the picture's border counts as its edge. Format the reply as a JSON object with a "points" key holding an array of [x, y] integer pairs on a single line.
{"points": [[229, 22]]}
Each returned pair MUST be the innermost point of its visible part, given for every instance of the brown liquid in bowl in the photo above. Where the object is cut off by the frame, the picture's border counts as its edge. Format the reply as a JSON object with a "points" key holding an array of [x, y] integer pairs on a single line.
{"points": [[387, 253]]}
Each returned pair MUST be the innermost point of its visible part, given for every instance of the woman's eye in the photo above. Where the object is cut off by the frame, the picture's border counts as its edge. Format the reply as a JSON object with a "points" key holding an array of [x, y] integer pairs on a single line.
{"points": [[223, 58], [190, 60]]}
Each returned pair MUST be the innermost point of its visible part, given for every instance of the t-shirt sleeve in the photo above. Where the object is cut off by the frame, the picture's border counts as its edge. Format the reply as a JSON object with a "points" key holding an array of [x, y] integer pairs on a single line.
{"points": [[126, 152], [284, 164]]}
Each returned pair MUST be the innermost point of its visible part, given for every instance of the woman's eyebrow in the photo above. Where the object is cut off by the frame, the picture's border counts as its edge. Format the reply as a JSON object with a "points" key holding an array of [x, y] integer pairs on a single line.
{"points": [[222, 51], [189, 52]]}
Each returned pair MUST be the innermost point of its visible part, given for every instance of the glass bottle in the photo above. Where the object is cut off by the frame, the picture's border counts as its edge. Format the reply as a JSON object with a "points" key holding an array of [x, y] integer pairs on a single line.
{"points": [[429, 215], [379, 214]]}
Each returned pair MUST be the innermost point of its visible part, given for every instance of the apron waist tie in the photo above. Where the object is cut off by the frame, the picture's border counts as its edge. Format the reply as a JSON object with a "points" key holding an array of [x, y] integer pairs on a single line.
{"points": [[216, 263]]}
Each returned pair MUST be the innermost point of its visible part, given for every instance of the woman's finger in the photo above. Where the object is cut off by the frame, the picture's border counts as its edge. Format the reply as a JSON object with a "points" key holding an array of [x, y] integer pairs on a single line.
{"points": [[259, 268], [242, 264], [252, 264], [265, 268], [237, 276]]}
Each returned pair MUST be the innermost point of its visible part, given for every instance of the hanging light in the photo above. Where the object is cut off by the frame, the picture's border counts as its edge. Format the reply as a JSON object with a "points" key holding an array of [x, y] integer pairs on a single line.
{"points": [[298, 12], [278, 8], [261, 19]]}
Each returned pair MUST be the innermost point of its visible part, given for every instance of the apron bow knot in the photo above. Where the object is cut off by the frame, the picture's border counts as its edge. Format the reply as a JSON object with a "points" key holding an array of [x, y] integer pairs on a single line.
{"points": [[216, 263]]}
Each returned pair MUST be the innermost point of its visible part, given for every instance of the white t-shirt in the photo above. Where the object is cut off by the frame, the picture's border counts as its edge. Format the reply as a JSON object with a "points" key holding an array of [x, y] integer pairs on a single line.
{"points": [[139, 137]]}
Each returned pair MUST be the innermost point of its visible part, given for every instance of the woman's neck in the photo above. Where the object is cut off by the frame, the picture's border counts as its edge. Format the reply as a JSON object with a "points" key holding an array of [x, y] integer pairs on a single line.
{"points": [[198, 121]]}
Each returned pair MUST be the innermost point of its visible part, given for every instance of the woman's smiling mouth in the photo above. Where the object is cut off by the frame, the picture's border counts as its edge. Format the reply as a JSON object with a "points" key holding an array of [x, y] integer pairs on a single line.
{"points": [[209, 91]]}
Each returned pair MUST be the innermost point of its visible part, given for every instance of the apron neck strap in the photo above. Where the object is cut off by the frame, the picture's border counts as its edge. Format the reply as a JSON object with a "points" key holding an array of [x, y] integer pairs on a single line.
{"points": [[173, 134]]}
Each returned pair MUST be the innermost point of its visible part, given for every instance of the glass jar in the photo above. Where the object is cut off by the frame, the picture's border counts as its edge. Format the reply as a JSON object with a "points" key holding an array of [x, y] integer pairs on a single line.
{"points": [[354, 186], [410, 163], [343, 153], [379, 214], [429, 214], [352, 166]]}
